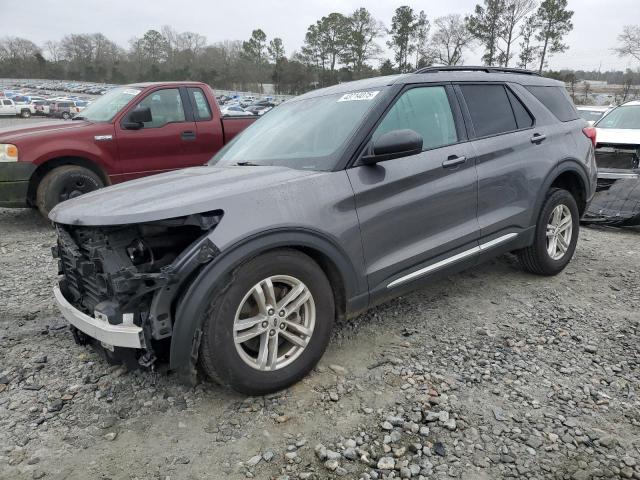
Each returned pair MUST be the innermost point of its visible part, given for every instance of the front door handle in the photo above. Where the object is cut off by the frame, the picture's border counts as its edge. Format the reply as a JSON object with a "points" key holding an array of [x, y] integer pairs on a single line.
{"points": [[188, 135], [453, 161], [538, 138]]}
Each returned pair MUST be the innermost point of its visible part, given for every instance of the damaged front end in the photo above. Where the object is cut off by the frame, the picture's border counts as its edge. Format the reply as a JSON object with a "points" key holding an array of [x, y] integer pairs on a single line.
{"points": [[617, 199], [119, 284]]}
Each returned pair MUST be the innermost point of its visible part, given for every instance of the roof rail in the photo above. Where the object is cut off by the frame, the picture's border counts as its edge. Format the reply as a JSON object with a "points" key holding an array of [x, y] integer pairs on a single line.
{"points": [[465, 68]]}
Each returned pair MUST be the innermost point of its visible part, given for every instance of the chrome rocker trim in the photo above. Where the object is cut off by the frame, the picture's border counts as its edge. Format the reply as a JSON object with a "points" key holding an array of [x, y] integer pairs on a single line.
{"points": [[455, 258]]}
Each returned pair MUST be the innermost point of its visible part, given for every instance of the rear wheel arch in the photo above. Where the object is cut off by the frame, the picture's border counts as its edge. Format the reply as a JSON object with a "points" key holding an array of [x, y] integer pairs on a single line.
{"points": [[569, 175], [189, 311], [49, 165]]}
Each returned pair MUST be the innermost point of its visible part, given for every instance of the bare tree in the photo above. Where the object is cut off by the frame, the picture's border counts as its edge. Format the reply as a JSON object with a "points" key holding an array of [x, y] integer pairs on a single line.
{"points": [[586, 90], [450, 40], [629, 42], [514, 12], [54, 51]]}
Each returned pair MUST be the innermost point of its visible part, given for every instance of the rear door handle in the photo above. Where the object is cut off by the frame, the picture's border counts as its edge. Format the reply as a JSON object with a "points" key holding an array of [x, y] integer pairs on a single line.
{"points": [[188, 135], [538, 138], [453, 161]]}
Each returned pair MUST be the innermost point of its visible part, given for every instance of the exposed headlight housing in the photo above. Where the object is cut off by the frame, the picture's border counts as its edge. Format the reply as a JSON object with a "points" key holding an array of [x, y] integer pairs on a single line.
{"points": [[8, 152]]}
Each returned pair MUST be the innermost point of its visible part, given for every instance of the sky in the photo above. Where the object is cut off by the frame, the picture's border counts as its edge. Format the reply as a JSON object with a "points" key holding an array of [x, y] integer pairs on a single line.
{"points": [[597, 23]]}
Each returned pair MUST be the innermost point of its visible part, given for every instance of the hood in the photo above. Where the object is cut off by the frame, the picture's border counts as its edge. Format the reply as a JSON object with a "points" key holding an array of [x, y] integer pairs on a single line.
{"points": [[614, 135], [15, 134], [173, 194]]}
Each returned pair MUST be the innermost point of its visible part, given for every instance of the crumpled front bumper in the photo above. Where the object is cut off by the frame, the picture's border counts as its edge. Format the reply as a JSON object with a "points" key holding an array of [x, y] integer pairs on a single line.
{"points": [[128, 336]]}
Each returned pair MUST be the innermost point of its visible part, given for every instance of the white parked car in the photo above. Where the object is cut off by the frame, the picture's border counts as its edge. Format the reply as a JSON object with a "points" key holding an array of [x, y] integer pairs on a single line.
{"points": [[592, 114], [9, 107], [234, 111], [617, 201]]}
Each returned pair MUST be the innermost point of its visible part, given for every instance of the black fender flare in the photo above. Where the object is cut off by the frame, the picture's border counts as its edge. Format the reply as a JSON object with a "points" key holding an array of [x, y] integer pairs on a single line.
{"points": [[191, 308], [566, 165]]}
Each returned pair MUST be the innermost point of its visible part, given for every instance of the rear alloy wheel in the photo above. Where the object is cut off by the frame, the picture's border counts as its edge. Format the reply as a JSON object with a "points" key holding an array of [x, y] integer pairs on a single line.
{"points": [[66, 116], [555, 237], [25, 114], [269, 325], [559, 232]]}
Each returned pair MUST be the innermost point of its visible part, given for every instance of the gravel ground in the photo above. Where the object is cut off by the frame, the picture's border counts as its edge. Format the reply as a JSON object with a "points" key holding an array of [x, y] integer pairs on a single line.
{"points": [[492, 373]]}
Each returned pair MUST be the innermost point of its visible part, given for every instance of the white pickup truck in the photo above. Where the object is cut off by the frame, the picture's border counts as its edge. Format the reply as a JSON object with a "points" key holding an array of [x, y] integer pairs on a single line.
{"points": [[9, 107]]}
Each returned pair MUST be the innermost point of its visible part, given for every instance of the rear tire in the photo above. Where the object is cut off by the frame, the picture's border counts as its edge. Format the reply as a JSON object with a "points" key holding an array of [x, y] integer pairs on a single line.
{"points": [[63, 183], [66, 116], [25, 114], [236, 356], [553, 245]]}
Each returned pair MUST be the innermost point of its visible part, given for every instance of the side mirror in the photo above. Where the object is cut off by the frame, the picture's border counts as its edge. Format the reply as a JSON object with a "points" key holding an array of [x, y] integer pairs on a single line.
{"points": [[394, 144], [137, 118]]}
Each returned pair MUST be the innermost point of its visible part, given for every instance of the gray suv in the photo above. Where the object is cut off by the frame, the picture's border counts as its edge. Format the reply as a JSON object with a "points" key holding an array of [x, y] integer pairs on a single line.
{"points": [[332, 202]]}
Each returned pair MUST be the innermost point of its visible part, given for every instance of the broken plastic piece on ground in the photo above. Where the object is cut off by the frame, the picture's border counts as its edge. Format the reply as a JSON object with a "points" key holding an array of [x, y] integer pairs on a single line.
{"points": [[616, 203]]}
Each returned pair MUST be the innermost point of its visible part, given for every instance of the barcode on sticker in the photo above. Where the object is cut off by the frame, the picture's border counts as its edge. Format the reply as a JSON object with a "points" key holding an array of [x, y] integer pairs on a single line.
{"points": [[356, 96]]}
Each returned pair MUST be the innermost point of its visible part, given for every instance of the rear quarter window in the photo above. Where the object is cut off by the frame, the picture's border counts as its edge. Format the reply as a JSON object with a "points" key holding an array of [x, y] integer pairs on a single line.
{"points": [[557, 100]]}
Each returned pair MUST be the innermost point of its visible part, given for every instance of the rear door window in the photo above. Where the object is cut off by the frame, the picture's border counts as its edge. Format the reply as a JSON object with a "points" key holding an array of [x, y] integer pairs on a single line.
{"points": [[200, 104], [557, 100], [490, 109], [425, 110]]}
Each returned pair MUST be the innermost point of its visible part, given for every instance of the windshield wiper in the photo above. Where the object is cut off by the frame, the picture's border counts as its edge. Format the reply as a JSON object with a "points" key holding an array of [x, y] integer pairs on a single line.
{"points": [[247, 164]]}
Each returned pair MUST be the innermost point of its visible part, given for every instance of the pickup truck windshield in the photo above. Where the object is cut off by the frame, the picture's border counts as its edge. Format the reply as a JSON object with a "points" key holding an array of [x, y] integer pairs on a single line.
{"points": [[302, 134], [107, 106]]}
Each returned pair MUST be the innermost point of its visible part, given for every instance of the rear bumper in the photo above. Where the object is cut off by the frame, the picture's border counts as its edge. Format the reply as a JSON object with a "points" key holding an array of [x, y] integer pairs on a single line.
{"points": [[14, 183], [128, 336]]}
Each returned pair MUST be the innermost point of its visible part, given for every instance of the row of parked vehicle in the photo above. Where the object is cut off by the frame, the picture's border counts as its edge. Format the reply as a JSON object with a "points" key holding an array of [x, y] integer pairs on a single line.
{"points": [[237, 106], [64, 86]]}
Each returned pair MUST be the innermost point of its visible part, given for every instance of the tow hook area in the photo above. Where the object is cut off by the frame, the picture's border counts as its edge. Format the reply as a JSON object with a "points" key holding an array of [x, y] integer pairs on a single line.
{"points": [[79, 337]]}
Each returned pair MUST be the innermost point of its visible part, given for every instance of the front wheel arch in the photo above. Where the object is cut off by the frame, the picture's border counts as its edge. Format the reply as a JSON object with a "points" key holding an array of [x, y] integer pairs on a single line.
{"points": [[189, 310], [44, 168]]}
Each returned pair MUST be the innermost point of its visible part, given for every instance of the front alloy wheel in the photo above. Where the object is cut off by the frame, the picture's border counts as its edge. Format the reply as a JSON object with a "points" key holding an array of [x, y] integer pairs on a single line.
{"points": [[559, 232], [267, 323], [274, 322]]}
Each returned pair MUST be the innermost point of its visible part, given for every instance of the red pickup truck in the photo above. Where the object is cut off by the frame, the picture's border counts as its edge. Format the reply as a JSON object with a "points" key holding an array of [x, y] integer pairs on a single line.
{"points": [[129, 132]]}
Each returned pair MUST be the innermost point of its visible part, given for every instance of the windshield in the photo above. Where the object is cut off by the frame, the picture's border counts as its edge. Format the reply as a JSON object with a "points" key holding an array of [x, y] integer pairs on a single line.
{"points": [[624, 118], [302, 134], [107, 106]]}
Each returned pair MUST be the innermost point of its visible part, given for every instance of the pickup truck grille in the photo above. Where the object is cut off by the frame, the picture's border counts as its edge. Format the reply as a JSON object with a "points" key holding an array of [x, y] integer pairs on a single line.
{"points": [[81, 270]]}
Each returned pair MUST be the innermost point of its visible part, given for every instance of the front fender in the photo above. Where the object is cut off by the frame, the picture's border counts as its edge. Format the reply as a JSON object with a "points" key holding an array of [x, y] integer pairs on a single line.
{"points": [[192, 306]]}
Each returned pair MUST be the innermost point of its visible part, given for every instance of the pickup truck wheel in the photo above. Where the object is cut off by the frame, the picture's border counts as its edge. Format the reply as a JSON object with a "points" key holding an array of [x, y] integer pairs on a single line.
{"points": [[556, 235], [64, 183], [270, 325], [25, 113], [66, 116]]}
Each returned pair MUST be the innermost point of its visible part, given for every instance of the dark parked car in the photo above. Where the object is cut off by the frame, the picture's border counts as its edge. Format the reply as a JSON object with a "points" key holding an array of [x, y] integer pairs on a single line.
{"points": [[63, 109], [334, 201]]}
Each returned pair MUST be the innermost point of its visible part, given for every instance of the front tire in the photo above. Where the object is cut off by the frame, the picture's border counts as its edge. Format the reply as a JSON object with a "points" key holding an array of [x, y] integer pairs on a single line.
{"points": [[556, 235], [64, 183], [270, 325], [66, 116]]}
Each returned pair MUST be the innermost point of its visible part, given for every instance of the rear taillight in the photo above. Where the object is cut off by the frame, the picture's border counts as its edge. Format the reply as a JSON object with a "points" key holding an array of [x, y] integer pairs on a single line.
{"points": [[590, 133]]}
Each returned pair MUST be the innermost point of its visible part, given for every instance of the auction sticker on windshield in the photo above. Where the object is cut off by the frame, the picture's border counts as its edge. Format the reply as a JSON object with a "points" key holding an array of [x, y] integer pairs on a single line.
{"points": [[131, 91], [356, 96]]}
